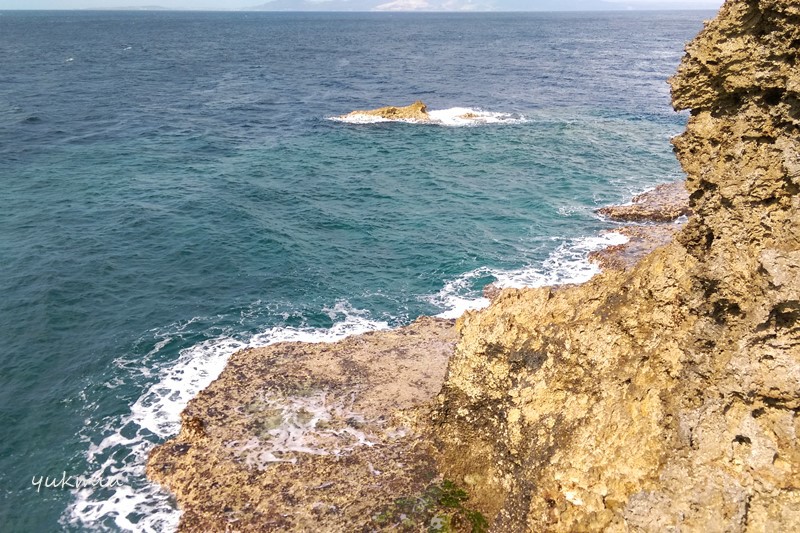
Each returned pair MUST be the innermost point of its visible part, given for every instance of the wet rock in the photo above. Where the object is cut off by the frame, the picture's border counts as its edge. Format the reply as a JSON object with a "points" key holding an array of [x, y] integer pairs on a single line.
{"points": [[663, 394], [491, 291], [641, 241]]}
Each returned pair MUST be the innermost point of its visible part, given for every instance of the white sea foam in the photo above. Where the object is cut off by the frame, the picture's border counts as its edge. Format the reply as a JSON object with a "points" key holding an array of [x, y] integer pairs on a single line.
{"points": [[317, 424], [453, 117], [466, 116], [568, 263], [359, 118], [570, 210], [458, 296], [135, 504]]}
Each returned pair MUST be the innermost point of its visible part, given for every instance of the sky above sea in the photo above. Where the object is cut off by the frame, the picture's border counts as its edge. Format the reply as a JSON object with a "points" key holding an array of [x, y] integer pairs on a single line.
{"points": [[366, 5]]}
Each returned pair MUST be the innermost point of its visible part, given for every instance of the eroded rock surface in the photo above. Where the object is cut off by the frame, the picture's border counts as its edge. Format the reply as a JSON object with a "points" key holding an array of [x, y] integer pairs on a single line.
{"points": [[310, 437], [659, 214], [642, 240], [666, 396]]}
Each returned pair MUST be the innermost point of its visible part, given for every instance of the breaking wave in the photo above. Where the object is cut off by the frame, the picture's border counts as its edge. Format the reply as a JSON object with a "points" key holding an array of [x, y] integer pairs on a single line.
{"points": [[131, 502], [568, 263]]}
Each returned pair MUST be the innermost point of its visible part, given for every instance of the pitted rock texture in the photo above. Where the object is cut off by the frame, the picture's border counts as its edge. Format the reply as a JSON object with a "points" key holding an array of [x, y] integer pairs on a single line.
{"points": [[665, 397], [642, 240], [310, 437]]}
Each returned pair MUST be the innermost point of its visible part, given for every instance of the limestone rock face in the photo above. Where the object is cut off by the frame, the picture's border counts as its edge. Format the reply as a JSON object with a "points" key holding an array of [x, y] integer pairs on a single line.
{"points": [[417, 111], [665, 396]]}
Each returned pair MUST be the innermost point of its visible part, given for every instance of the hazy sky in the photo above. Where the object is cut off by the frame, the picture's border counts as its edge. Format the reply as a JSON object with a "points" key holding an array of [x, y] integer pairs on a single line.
{"points": [[406, 5]]}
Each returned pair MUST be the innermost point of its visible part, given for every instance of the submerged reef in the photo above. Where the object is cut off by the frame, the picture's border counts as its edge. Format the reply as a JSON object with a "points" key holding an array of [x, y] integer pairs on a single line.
{"points": [[663, 394]]}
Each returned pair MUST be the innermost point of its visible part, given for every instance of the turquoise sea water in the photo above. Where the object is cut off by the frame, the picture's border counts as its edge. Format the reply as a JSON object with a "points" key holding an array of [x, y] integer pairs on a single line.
{"points": [[172, 189]]}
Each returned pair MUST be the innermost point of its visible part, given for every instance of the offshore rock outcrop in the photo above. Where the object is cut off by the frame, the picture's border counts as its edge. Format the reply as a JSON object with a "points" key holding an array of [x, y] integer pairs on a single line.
{"points": [[417, 112], [666, 396]]}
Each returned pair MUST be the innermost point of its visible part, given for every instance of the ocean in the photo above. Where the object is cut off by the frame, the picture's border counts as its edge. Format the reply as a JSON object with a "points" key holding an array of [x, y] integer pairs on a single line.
{"points": [[175, 186]]}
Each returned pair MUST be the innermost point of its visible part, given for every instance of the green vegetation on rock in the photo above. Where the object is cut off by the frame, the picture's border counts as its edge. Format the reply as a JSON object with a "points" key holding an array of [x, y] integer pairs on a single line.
{"points": [[438, 509]]}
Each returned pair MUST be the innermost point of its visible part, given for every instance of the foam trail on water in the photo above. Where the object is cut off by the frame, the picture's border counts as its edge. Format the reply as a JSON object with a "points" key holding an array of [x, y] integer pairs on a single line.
{"points": [[459, 295], [136, 504], [566, 264]]}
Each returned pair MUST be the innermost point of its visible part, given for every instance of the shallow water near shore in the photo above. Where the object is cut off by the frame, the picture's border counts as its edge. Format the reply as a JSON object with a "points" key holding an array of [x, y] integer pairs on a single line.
{"points": [[174, 190]]}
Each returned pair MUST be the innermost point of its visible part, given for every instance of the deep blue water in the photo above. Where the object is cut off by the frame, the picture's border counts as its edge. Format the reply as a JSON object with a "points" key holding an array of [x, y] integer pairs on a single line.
{"points": [[171, 189]]}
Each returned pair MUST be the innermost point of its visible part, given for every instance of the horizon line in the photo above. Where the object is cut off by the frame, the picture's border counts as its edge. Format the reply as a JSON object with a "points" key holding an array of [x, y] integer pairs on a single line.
{"points": [[417, 11]]}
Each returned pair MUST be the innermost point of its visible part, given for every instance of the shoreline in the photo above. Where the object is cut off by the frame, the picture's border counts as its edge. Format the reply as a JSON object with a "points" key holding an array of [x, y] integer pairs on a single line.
{"points": [[316, 423], [296, 435], [655, 216]]}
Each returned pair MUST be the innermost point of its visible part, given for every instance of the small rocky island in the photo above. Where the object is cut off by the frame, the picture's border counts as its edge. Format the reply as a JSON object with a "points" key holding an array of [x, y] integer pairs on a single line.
{"points": [[663, 395], [417, 111]]}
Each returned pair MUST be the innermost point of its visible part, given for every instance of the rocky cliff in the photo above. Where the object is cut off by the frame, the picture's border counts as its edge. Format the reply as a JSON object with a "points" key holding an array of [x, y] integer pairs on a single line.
{"points": [[660, 395], [664, 397]]}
